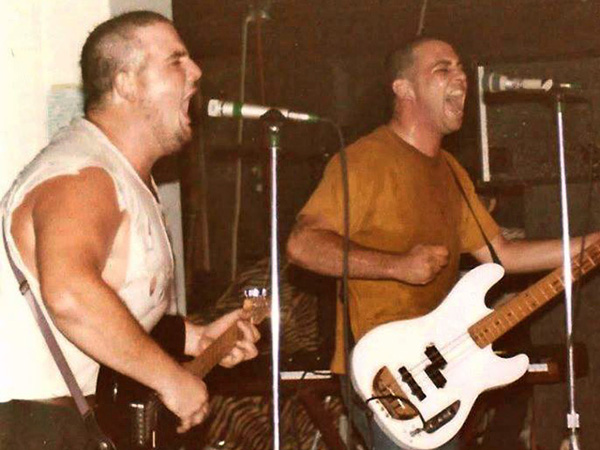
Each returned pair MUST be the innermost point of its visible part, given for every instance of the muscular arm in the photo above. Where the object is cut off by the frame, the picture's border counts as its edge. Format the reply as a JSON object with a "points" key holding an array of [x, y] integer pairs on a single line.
{"points": [[75, 219], [520, 255], [312, 246]]}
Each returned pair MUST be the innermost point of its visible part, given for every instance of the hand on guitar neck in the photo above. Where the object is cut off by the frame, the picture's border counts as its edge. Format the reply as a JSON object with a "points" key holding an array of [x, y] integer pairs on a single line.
{"points": [[200, 338], [128, 410], [228, 341]]}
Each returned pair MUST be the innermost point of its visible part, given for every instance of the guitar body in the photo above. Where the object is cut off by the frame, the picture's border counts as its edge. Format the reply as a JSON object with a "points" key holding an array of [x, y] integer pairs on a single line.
{"points": [[428, 371], [132, 415]]}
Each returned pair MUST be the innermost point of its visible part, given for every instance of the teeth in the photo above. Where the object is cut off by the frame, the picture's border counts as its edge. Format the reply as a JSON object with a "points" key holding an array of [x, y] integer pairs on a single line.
{"points": [[455, 101]]}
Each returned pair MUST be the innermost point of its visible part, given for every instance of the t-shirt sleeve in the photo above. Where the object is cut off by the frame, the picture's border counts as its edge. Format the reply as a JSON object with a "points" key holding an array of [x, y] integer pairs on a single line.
{"points": [[471, 237], [326, 202]]}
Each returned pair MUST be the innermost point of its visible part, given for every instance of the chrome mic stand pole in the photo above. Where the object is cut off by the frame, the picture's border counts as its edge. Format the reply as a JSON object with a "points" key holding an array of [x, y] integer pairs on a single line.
{"points": [[572, 415], [273, 120]]}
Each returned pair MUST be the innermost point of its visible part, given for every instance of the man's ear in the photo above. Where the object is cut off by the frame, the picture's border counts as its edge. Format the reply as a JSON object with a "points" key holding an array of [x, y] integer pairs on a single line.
{"points": [[125, 86], [403, 89]]}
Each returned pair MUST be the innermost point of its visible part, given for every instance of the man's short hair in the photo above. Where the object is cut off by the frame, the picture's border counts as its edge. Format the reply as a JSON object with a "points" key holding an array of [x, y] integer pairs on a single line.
{"points": [[110, 48], [402, 59]]}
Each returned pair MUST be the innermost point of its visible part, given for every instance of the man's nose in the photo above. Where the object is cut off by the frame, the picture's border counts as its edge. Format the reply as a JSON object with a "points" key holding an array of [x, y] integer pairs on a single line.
{"points": [[194, 72], [460, 76]]}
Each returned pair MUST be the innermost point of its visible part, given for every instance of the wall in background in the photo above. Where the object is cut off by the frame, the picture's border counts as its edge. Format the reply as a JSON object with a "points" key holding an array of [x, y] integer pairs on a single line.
{"points": [[36, 53], [40, 44]]}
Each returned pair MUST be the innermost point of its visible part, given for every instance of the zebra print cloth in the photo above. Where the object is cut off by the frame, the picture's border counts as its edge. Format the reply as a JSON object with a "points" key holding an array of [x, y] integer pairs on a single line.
{"points": [[245, 423]]}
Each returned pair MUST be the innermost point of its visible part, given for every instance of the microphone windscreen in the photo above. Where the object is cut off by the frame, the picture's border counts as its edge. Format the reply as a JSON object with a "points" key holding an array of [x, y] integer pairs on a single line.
{"points": [[214, 108], [492, 82]]}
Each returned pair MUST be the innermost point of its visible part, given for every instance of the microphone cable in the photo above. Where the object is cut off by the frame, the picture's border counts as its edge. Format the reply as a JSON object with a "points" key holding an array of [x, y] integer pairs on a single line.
{"points": [[347, 333]]}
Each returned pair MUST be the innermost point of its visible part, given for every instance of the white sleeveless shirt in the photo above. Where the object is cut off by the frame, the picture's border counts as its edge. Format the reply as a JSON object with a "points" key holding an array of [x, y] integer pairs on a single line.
{"points": [[27, 369]]}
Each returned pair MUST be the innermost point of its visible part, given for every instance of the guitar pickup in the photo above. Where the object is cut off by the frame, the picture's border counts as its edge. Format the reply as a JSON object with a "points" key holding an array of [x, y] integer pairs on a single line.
{"points": [[436, 358], [143, 419], [438, 362], [436, 377], [412, 384]]}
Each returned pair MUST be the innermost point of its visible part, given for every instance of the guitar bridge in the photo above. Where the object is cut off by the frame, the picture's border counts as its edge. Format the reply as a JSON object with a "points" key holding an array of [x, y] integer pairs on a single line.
{"points": [[392, 397], [439, 420]]}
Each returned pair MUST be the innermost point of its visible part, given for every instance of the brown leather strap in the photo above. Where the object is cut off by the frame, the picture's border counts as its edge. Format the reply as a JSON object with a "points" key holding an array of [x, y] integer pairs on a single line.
{"points": [[494, 255], [55, 350]]}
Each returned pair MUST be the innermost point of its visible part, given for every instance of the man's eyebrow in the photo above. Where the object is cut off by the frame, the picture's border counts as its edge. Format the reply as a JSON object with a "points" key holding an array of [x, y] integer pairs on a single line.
{"points": [[177, 54], [448, 62]]}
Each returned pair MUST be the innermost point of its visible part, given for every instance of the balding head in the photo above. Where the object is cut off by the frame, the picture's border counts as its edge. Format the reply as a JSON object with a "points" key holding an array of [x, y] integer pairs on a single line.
{"points": [[113, 47]]}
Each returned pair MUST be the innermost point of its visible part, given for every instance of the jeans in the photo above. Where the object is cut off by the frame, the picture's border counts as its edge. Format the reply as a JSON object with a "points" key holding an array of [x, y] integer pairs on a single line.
{"points": [[374, 437], [27, 425]]}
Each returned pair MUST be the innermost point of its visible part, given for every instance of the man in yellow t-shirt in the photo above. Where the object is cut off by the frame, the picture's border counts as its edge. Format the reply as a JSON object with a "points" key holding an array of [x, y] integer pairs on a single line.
{"points": [[409, 222]]}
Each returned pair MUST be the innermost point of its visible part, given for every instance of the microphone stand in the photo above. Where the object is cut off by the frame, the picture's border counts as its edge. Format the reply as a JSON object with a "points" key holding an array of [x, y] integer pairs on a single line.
{"points": [[572, 415], [273, 121]]}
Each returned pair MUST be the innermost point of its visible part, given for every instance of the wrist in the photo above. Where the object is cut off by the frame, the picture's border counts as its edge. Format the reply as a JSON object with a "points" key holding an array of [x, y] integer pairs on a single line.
{"points": [[170, 379], [394, 266]]}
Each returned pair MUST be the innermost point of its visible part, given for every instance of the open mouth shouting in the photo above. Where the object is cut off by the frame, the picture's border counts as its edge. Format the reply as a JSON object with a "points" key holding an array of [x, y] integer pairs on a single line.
{"points": [[454, 102], [185, 117]]}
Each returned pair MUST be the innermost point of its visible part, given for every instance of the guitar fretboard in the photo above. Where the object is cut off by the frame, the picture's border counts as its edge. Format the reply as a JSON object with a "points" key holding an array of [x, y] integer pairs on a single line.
{"points": [[518, 308], [210, 357], [214, 353]]}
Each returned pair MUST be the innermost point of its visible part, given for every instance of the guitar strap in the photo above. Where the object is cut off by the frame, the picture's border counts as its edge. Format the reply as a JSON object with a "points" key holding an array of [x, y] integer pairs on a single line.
{"points": [[495, 257], [87, 414]]}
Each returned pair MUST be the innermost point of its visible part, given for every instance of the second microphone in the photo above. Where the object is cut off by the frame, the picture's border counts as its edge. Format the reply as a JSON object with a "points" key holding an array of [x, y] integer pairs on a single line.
{"points": [[220, 108]]}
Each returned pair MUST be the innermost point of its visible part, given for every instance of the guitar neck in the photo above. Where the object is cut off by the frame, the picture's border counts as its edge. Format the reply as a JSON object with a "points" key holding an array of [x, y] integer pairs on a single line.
{"points": [[521, 306], [203, 364], [258, 307]]}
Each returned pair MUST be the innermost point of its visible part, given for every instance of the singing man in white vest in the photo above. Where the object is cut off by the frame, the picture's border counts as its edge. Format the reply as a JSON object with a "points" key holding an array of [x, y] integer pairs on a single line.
{"points": [[83, 223]]}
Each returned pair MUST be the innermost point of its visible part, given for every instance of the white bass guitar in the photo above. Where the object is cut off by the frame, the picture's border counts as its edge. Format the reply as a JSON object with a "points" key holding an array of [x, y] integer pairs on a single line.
{"points": [[420, 377]]}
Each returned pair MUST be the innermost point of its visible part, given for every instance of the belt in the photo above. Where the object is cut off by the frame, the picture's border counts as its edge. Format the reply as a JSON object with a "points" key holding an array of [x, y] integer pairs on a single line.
{"points": [[67, 402]]}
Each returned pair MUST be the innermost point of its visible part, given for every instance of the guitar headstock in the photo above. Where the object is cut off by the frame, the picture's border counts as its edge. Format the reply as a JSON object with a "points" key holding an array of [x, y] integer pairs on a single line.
{"points": [[257, 303]]}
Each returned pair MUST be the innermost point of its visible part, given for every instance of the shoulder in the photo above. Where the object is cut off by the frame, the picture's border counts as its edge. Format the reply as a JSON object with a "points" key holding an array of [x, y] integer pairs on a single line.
{"points": [[370, 152], [91, 189], [85, 180], [373, 143]]}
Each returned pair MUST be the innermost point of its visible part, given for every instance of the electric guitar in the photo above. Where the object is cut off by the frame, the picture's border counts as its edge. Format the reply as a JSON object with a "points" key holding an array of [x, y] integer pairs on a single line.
{"points": [[420, 377], [133, 415]]}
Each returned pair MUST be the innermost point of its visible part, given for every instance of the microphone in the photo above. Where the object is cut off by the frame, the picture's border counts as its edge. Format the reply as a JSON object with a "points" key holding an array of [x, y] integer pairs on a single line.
{"points": [[493, 82], [220, 108]]}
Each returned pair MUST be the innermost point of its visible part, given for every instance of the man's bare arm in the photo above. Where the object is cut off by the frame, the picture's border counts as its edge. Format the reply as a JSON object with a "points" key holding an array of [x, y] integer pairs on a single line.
{"points": [[312, 246], [522, 255], [75, 220]]}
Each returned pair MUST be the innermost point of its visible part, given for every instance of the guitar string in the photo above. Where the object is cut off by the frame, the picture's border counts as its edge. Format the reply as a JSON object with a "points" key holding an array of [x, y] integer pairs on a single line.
{"points": [[446, 350], [514, 309], [454, 351], [418, 371], [501, 314]]}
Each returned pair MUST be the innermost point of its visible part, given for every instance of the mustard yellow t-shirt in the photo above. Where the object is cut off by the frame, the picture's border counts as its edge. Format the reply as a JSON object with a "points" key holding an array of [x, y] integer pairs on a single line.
{"points": [[399, 198]]}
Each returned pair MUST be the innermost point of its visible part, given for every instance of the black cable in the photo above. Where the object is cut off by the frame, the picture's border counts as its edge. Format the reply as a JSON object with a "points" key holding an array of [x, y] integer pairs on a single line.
{"points": [[345, 275]]}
